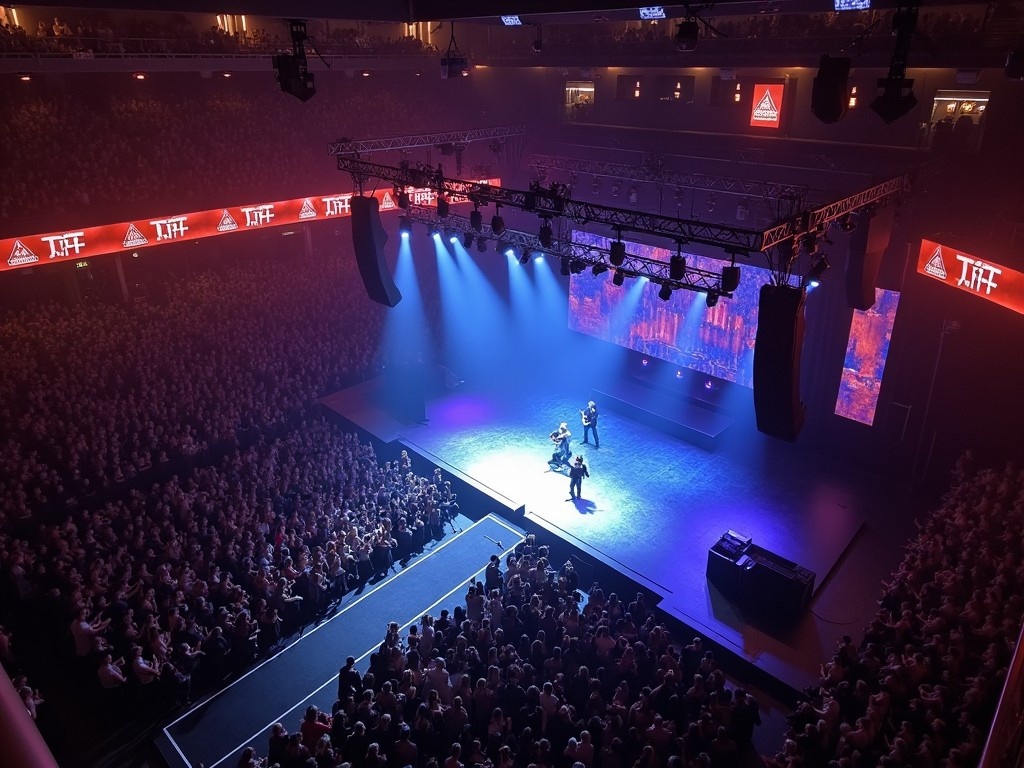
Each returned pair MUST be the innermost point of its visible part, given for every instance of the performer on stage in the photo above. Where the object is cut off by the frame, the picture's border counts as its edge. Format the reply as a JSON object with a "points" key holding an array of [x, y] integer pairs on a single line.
{"points": [[589, 416], [560, 437], [576, 474]]}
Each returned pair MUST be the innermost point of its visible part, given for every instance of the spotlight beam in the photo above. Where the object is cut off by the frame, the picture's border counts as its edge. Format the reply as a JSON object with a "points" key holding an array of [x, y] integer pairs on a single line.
{"points": [[583, 256]]}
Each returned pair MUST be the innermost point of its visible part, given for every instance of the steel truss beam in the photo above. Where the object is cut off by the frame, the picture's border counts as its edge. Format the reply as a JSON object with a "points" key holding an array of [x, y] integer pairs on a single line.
{"points": [[367, 146], [546, 203], [810, 221], [700, 280], [658, 175]]}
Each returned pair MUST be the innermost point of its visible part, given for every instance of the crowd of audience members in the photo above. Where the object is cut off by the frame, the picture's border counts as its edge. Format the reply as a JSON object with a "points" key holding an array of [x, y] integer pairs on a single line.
{"points": [[92, 34], [204, 141], [173, 505]]}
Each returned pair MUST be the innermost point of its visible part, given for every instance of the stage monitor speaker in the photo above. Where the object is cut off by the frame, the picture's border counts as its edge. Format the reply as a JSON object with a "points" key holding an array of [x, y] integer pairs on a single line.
{"points": [[830, 92], [368, 238], [777, 349], [867, 245]]}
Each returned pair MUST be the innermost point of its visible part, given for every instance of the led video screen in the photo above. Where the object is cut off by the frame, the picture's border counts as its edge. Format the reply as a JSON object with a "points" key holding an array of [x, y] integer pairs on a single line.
{"points": [[866, 350], [683, 330]]}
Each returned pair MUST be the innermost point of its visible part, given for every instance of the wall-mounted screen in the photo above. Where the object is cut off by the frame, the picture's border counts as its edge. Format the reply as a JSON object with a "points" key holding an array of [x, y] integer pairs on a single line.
{"points": [[866, 350]]}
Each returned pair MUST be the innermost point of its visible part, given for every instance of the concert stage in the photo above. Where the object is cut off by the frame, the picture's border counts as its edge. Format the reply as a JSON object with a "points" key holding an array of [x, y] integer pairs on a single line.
{"points": [[655, 504]]}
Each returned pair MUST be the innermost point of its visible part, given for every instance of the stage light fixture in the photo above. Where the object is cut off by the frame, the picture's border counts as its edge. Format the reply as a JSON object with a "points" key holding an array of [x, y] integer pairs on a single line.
{"points": [[500, 246], [476, 220], [687, 34], [442, 207], [524, 257], [577, 266], [497, 224], [564, 266], [467, 240], [818, 268], [481, 245], [453, 239], [617, 253], [435, 230], [730, 278], [634, 194], [619, 277], [403, 199], [545, 234], [665, 293], [598, 269], [404, 226], [616, 188], [848, 223], [25, 77], [538, 43], [711, 299], [677, 267]]}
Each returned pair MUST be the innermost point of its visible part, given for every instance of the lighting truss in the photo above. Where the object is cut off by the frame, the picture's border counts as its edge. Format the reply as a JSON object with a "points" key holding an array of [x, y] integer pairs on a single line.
{"points": [[809, 221], [660, 175], [368, 146], [735, 240], [694, 279]]}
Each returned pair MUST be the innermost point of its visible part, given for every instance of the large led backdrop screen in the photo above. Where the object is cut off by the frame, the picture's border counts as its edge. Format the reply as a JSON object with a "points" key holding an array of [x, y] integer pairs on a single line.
{"points": [[683, 330]]}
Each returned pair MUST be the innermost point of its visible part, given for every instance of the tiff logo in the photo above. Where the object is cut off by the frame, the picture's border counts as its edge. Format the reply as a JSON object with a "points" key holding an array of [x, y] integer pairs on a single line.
{"points": [[68, 244], [338, 205], [258, 215], [170, 229], [976, 274]]}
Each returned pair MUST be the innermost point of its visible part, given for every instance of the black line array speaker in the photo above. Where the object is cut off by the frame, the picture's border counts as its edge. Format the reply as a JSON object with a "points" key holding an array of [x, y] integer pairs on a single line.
{"points": [[867, 244], [777, 348], [830, 93], [368, 239]]}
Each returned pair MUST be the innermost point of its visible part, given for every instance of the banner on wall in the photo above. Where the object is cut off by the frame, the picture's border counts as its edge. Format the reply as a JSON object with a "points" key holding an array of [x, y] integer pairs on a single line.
{"points": [[766, 108], [979, 277], [161, 229]]}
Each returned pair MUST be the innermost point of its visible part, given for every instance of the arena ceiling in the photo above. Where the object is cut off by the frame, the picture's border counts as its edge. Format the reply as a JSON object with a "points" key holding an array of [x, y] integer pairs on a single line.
{"points": [[530, 11]]}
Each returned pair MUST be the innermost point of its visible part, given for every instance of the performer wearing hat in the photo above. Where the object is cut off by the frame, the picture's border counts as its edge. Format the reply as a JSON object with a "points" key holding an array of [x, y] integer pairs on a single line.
{"points": [[589, 416], [576, 474]]}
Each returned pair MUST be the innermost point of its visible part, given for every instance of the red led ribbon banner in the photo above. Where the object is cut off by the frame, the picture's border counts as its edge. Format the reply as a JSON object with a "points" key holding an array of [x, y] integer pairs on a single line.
{"points": [[979, 277], [87, 242]]}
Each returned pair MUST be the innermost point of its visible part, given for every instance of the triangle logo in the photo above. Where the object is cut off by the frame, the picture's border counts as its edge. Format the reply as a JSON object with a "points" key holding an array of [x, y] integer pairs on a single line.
{"points": [[766, 109], [227, 224], [134, 238], [20, 255], [387, 203], [934, 265], [307, 211]]}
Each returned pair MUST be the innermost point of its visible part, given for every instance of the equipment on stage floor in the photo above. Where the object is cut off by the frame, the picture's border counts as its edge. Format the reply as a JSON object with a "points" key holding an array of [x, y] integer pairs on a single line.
{"points": [[758, 579]]}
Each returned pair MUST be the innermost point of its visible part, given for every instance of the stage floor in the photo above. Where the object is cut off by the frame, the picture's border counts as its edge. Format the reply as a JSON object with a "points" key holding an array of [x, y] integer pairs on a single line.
{"points": [[654, 505]]}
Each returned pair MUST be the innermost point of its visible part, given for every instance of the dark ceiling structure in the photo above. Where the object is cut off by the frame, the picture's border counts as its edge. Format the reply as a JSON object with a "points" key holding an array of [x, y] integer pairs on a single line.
{"points": [[529, 11]]}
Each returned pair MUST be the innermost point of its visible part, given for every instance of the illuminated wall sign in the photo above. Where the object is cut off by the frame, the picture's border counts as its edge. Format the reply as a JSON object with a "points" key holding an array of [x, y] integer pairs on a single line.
{"points": [[87, 242], [766, 110], [511, 21], [651, 12], [980, 277]]}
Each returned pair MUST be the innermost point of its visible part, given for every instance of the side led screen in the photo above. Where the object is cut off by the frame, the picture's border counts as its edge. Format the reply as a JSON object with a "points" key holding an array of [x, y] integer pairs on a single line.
{"points": [[683, 330], [866, 351]]}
